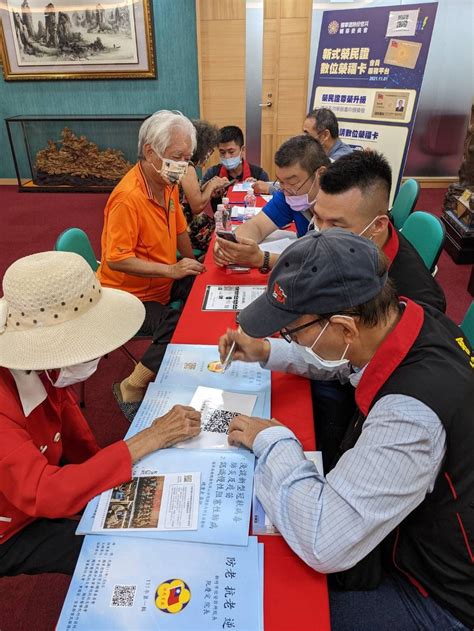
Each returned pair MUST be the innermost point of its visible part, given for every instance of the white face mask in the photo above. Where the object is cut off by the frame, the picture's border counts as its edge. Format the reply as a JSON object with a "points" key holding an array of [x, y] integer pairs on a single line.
{"points": [[172, 171], [70, 375], [319, 362], [368, 226], [313, 226]]}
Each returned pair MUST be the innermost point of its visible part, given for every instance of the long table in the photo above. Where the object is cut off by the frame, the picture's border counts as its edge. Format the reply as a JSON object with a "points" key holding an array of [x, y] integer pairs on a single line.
{"points": [[295, 596]]}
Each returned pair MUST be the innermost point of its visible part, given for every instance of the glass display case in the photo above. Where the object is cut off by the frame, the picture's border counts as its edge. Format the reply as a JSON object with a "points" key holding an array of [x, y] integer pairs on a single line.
{"points": [[72, 153]]}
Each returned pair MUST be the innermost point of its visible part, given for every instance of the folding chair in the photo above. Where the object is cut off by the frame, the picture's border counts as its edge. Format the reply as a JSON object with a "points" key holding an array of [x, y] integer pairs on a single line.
{"points": [[467, 325], [76, 240], [426, 233], [404, 203]]}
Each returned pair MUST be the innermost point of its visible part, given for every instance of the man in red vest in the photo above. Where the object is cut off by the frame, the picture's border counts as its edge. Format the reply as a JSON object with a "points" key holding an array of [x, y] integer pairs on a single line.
{"points": [[233, 164]]}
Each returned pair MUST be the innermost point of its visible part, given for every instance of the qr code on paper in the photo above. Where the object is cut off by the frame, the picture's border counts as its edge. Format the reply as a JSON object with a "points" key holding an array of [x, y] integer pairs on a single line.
{"points": [[218, 421], [123, 595]]}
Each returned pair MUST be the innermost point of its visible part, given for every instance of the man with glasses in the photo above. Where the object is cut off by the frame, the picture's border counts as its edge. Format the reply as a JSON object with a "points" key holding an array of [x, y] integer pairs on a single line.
{"points": [[299, 162], [322, 124], [391, 522]]}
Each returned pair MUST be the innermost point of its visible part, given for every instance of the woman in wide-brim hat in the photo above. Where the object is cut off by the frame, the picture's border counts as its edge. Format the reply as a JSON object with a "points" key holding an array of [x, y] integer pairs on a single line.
{"points": [[56, 321]]}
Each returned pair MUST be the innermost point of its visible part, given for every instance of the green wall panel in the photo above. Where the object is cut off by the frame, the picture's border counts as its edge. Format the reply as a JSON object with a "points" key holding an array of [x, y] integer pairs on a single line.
{"points": [[175, 88]]}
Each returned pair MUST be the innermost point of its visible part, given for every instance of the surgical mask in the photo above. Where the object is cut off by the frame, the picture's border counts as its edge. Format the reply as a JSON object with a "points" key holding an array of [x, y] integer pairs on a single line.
{"points": [[368, 226], [300, 203], [313, 226], [232, 163], [319, 362], [70, 375], [172, 171]]}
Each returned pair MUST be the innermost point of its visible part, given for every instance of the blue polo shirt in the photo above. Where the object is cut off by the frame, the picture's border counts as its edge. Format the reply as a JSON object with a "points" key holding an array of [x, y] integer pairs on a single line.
{"points": [[281, 214]]}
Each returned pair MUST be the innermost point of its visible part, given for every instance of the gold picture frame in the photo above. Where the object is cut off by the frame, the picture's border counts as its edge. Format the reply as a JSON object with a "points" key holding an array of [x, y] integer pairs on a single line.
{"points": [[43, 40]]}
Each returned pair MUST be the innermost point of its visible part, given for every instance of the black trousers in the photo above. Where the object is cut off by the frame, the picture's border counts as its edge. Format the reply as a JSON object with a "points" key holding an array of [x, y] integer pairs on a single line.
{"points": [[160, 323], [45, 545]]}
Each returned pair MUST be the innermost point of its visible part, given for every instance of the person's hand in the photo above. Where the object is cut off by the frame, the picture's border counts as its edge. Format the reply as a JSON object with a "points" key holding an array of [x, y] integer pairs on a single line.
{"points": [[247, 349], [180, 423], [243, 430], [245, 252], [261, 188], [217, 254], [218, 183], [186, 267]]}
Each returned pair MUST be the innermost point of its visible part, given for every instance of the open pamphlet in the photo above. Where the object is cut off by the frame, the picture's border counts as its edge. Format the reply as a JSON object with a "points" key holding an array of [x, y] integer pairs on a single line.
{"points": [[230, 297], [135, 584], [225, 496], [242, 187]]}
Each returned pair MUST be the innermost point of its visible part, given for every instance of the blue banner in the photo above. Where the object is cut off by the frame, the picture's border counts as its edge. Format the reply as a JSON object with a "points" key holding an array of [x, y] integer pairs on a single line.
{"points": [[369, 71]]}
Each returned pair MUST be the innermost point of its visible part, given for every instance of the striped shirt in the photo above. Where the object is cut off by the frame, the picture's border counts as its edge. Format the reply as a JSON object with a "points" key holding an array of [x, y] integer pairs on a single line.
{"points": [[333, 522]]}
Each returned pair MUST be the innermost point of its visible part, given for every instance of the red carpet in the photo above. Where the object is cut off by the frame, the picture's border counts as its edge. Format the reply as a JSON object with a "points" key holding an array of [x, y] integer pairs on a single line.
{"points": [[31, 222]]}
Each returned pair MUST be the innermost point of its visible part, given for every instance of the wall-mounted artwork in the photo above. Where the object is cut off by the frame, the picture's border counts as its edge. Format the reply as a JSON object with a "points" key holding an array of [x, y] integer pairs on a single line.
{"points": [[73, 39]]}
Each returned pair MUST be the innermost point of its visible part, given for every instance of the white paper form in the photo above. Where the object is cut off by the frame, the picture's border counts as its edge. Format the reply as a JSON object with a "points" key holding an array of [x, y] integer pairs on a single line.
{"points": [[149, 503], [276, 247], [230, 297], [218, 408], [242, 187]]}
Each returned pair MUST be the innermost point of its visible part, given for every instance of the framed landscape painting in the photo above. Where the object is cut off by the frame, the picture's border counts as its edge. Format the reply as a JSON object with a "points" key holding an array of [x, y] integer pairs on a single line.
{"points": [[73, 39]]}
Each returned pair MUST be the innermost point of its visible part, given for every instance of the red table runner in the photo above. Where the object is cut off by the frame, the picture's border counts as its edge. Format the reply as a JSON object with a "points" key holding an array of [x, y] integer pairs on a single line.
{"points": [[295, 596]]}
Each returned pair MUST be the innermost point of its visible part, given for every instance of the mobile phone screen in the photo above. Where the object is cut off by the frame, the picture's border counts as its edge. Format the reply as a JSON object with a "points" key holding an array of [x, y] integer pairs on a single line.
{"points": [[228, 235]]}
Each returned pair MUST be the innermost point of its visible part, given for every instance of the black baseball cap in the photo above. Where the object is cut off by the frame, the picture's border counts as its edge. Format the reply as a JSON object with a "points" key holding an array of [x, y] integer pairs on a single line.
{"points": [[322, 272]]}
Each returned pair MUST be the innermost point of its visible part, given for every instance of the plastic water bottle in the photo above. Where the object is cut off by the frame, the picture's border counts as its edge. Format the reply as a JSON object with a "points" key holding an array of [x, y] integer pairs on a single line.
{"points": [[221, 217], [250, 200], [225, 201]]}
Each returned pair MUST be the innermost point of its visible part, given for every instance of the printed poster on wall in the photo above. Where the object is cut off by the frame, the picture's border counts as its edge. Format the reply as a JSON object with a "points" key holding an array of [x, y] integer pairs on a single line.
{"points": [[369, 71]]}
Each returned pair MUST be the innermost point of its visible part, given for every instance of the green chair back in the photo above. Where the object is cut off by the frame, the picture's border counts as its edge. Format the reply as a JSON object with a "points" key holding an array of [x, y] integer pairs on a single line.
{"points": [[76, 240], [426, 233], [467, 325], [405, 202]]}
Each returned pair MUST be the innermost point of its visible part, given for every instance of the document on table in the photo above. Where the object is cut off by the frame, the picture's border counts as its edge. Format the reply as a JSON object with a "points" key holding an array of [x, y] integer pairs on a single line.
{"points": [[193, 365], [277, 235], [129, 583], [225, 494], [241, 213], [261, 524], [267, 198], [276, 247], [150, 502], [218, 408], [242, 187], [230, 297]]}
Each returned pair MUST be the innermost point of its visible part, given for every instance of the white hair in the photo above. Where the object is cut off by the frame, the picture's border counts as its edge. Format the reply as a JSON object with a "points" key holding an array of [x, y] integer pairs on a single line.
{"points": [[158, 128]]}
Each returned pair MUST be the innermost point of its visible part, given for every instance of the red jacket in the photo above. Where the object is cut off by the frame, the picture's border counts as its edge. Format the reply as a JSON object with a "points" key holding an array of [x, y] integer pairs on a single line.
{"points": [[32, 484]]}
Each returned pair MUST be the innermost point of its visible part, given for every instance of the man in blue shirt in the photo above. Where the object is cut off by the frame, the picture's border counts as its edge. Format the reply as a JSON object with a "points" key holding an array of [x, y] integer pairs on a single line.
{"points": [[299, 163], [322, 124]]}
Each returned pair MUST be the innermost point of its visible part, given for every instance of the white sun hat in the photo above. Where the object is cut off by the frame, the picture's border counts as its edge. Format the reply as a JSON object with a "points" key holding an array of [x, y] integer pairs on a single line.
{"points": [[54, 313]]}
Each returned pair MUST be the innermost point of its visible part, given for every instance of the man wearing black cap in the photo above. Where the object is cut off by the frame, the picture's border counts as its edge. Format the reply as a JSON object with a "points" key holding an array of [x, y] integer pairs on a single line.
{"points": [[402, 488]]}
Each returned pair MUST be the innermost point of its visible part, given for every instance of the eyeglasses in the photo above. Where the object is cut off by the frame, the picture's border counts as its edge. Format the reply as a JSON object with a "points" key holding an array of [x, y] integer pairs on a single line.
{"points": [[291, 191], [287, 334]]}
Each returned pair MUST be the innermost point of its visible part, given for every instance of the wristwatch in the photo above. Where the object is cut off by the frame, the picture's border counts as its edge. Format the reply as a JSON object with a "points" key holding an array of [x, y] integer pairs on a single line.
{"points": [[266, 263]]}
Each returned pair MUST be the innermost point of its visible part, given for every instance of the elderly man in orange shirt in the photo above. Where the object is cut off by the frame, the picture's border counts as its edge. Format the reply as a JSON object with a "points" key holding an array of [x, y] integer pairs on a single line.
{"points": [[144, 226]]}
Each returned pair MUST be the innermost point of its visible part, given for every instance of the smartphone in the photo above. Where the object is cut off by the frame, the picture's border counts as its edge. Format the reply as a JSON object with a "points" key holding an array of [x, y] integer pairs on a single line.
{"points": [[229, 184], [228, 235]]}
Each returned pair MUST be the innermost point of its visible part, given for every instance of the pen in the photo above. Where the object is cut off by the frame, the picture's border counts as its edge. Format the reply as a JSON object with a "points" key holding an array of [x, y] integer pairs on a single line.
{"points": [[228, 360]]}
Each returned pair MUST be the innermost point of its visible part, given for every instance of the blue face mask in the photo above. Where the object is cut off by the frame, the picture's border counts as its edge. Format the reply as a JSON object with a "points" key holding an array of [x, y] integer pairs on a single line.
{"points": [[231, 163]]}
